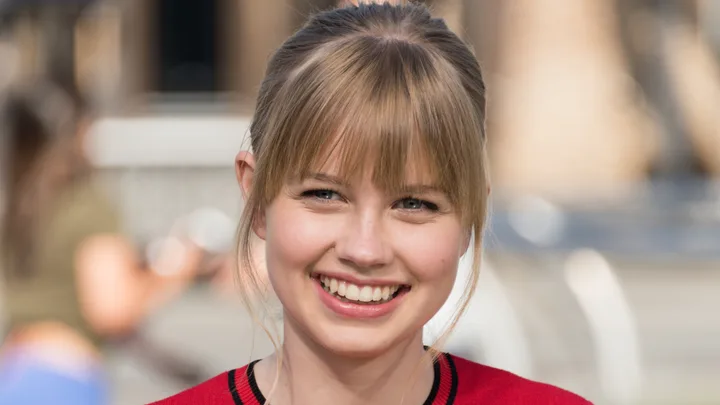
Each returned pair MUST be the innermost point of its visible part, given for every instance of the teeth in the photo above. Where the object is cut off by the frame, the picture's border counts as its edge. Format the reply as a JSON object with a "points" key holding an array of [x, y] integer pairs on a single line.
{"points": [[354, 292], [342, 289], [366, 294], [377, 294]]}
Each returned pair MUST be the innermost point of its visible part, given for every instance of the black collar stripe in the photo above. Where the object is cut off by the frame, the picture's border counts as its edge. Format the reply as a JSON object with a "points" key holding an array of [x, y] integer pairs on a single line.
{"points": [[436, 384], [447, 380], [233, 388], [454, 380], [442, 366], [259, 397]]}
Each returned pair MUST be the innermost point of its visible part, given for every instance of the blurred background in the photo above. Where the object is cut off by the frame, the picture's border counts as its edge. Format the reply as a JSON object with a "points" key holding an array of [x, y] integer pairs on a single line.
{"points": [[602, 266]]}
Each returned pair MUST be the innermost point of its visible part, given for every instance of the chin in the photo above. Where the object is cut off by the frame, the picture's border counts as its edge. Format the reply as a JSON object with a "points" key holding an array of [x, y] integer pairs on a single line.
{"points": [[351, 333], [356, 343]]}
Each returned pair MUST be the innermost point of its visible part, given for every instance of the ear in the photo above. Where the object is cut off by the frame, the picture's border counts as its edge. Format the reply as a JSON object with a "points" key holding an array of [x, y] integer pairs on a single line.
{"points": [[245, 174]]}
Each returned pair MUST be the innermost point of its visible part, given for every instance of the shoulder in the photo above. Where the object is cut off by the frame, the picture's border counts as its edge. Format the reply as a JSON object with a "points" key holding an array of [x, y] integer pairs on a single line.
{"points": [[215, 391], [477, 382]]}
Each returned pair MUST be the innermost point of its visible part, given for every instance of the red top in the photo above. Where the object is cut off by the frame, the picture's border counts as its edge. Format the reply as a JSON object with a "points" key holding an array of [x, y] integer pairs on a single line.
{"points": [[457, 382]]}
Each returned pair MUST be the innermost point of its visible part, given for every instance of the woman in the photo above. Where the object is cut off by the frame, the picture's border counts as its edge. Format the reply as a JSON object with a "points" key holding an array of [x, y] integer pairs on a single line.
{"points": [[367, 185], [71, 279]]}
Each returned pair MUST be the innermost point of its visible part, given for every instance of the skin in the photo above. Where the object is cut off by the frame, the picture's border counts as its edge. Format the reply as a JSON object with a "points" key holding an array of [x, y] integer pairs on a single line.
{"points": [[351, 227]]}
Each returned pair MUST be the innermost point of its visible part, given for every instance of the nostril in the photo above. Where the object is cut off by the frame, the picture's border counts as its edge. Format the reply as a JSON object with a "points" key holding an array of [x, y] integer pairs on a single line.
{"points": [[362, 246]]}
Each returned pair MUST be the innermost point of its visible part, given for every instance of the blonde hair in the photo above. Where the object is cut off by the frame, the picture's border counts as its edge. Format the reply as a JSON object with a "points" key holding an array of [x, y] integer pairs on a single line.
{"points": [[380, 84]]}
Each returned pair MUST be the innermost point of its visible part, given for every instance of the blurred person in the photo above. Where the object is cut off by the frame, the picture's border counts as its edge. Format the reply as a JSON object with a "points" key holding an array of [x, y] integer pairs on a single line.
{"points": [[72, 279], [367, 185]]}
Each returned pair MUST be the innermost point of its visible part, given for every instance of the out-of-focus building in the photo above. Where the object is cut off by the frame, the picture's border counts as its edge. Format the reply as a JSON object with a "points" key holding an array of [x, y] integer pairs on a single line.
{"points": [[583, 96], [577, 105], [134, 55], [174, 82]]}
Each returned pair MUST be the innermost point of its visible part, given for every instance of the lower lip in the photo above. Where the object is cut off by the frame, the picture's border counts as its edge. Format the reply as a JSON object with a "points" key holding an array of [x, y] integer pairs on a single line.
{"points": [[358, 311]]}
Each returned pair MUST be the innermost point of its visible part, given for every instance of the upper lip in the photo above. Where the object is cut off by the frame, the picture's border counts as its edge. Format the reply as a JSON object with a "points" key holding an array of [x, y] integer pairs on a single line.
{"points": [[358, 281]]}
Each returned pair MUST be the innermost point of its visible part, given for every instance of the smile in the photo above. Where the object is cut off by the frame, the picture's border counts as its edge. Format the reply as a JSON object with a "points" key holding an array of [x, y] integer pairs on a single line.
{"points": [[355, 300], [361, 294]]}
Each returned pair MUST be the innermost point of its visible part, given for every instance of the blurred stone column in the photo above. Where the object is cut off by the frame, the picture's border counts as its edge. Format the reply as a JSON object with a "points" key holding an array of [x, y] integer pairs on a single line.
{"points": [[10, 57], [44, 32], [137, 33], [481, 23], [57, 24], [566, 119], [27, 39], [709, 13], [452, 12], [694, 75], [98, 58], [262, 27], [642, 31], [674, 64]]}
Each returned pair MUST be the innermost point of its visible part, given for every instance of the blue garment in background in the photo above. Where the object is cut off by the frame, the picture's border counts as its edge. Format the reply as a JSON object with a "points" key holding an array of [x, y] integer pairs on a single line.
{"points": [[27, 380]]}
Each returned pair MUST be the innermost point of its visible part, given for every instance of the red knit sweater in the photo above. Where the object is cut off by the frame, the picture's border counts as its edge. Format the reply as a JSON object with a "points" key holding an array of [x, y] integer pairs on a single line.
{"points": [[457, 382]]}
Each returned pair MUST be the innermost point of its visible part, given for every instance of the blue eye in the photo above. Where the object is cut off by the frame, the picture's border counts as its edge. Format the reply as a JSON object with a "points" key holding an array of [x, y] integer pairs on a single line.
{"points": [[322, 194], [413, 204]]}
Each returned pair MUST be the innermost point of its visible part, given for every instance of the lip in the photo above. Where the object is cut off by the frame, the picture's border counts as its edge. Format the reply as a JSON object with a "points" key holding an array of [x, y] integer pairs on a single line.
{"points": [[357, 311], [357, 281]]}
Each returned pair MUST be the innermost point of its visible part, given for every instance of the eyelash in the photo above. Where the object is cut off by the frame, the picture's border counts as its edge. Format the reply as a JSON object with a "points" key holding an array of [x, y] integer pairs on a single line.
{"points": [[429, 206], [423, 203], [313, 194]]}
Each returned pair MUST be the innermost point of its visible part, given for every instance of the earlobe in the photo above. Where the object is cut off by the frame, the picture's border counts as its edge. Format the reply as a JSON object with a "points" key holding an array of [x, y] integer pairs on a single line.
{"points": [[245, 172]]}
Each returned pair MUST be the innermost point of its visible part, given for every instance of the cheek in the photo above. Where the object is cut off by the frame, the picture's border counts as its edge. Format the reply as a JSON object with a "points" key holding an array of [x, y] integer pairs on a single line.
{"points": [[294, 239], [431, 252]]}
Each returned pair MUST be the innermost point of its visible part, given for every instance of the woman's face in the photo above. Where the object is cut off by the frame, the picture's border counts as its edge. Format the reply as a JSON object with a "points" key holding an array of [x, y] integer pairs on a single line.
{"points": [[359, 269]]}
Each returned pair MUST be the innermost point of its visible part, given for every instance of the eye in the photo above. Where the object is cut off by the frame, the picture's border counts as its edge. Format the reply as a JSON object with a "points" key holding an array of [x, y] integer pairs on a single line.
{"points": [[322, 194], [414, 204]]}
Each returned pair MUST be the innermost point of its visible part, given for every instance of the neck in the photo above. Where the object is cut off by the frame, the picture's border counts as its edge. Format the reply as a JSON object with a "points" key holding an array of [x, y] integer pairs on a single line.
{"points": [[401, 374]]}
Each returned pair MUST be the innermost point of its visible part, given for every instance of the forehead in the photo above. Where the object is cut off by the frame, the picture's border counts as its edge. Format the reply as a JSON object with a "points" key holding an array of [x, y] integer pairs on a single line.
{"points": [[385, 168], [349, 114]]}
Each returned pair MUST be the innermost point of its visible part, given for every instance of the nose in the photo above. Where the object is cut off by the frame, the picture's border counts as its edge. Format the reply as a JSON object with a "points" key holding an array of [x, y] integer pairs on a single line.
{"points": [[363, 243]]}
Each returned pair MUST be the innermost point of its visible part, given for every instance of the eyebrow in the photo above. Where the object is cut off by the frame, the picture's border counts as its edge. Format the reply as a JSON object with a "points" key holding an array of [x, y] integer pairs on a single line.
{"points": [[404, 188], [325, 178], [421, 188]]}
